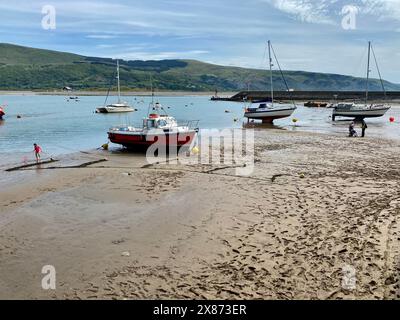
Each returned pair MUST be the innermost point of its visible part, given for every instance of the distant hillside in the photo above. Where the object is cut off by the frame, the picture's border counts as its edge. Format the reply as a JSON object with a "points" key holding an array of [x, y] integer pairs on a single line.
{"points": [[18, 55], [23, 68]]}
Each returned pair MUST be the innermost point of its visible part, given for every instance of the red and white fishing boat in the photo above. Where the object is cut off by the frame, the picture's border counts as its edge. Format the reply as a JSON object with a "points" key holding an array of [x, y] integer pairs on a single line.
{"points": [[2, 113], [156, 128]]}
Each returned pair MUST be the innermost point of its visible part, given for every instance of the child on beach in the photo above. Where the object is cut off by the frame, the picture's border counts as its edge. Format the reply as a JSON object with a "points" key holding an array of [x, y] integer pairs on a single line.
{"points": [[37, 149], [352, 131]]}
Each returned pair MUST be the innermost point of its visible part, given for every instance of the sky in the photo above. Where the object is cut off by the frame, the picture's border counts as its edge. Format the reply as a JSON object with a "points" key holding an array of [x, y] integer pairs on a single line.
{"points": [[322, 36]]}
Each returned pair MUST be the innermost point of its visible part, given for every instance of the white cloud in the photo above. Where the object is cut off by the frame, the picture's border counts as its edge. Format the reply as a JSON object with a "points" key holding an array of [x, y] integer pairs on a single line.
{"points": [[306, 10], [328, 11], [105, 46], [143, 55], [100, 36], [383, 9]]}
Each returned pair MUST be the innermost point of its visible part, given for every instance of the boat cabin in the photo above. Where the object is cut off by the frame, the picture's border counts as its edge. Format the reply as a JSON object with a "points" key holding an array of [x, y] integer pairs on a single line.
{"points": [[156, 121], [344, 105]]}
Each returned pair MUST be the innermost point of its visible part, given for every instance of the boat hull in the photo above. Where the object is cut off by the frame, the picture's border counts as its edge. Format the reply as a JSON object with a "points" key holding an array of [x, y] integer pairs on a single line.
{"points": [[269, 116], [366, 113], [114, 110], [316, 104], [143, 141]]}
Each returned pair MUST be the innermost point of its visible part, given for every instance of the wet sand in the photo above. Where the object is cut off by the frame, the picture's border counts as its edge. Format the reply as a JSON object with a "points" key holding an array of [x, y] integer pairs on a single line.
{"points": [[121, 229]]}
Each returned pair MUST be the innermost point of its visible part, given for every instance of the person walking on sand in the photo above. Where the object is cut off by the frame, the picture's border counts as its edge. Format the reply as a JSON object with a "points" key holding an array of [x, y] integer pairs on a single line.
{"points": [[363, 127], [37, 149]]}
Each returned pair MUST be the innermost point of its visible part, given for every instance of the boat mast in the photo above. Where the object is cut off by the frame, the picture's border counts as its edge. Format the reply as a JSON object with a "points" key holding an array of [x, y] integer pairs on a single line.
{"points": [[152, 91], [270, 71], [151, 105], [368, 71], [119, 89]]}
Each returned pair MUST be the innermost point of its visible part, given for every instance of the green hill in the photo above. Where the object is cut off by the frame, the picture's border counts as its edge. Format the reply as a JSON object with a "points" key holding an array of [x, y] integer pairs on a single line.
{"points": [[23, 68], [17, 55]]}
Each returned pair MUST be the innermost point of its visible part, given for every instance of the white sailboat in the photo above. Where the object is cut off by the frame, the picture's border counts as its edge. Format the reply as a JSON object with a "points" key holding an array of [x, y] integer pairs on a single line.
{"points": [[118, 107], [268, 112], [361, 111]]}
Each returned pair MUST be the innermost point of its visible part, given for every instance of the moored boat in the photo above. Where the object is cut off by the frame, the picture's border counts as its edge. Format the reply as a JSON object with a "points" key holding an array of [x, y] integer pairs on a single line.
{"points": [[115, 108], [359, 111], [118, 107], [315, 104], [156, 128], [268, 112], [365, 110]]}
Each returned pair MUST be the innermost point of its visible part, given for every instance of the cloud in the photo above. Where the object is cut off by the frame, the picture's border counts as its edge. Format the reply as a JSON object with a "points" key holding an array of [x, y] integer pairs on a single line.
{"points": [[105, 46], [306, 10], [383, 9], [144, 55], [101, 36], [328, 11]]}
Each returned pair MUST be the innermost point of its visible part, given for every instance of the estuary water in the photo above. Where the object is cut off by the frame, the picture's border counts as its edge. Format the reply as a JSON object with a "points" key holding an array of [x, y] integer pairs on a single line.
{"points": [[60, 125]]}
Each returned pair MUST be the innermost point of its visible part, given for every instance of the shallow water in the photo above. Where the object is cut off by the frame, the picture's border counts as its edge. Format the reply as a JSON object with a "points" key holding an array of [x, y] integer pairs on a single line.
{"points": [[61, 126]]}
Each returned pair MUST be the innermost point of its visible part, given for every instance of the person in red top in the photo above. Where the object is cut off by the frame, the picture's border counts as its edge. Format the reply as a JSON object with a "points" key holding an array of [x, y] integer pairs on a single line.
{"points": [[37, 149], [2, 113]]}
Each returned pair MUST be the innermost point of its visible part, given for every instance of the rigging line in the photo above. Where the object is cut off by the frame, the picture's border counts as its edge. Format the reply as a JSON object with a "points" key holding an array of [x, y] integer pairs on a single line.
{"points": [[368, 73], [283, 77], [152, 95], [360, 62], [127, 119], [264, 58], [379, 72], [162, 108], [109, 88], [90, 153]]}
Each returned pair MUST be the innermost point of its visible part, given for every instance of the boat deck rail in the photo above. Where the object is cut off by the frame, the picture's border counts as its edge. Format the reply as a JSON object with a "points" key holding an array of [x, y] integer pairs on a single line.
{"points": [[192, 124]]}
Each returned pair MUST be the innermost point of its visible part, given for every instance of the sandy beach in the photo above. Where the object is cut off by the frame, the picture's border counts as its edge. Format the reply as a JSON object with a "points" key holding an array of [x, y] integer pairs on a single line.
{"points": [[315, 205]]}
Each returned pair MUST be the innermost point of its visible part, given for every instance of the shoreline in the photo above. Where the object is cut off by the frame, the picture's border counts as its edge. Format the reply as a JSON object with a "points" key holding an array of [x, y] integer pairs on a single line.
{"points": [[222, 95], [114, 148], [123, 229], [104, 93]]}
